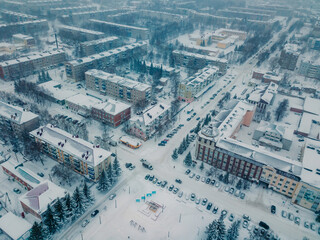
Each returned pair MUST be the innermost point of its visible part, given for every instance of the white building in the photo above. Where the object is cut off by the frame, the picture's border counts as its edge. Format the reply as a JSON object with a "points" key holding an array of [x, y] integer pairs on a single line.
{"points": [[16, 228]]}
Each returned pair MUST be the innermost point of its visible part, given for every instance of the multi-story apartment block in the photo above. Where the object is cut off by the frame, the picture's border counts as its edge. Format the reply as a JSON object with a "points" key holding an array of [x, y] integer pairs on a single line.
{"points": [[245, 14], [111, 112], [75, 69], [310, 68], [11, 16], [25, 66], [118, 87], [100, 45], [120, 29], [28, 27], [198, 61], [81, 156], [190, 87], [69, 10], [79, 34], [289, 56], [314, 43], [150, 121], [17, 118], [26, 40]]}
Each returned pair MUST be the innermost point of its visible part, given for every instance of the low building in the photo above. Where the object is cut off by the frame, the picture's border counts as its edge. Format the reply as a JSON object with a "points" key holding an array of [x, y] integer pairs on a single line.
{"points": [[118, 87], [190, 87], [275, 136], [266, 76], [100, 45], [289, 56], [314, 43], [82, 104], [16, 228], [23, 176], [130, 142], [26, 40], [56, 92], [79, 34], [198, 61], [309, 68], [18, 119], [81, 156], [111, 112], [36, 201], [150, 121]]}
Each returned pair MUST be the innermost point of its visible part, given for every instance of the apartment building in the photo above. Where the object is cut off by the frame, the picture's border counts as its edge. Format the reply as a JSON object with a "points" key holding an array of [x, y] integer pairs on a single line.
{"points": [[76, 69], [81, 156], [120, 29], [112, 112], [28, 27], [79, 34], [198, 61], [69, 10], [314, 43], [244, 14], [191, 87], [25, 66], [309, 68], [289, 56], [118, 87], [150, 121], [10, 16], [26, 40], [101, 45], [18, 119]]}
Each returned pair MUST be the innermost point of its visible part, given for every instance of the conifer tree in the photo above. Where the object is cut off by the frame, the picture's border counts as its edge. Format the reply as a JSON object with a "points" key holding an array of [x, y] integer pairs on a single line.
{"points": [[175, 154], [50, 221], [201, 166], [36, 232], [59, 211], [110, 176], [87, 194], [102, 184], [188, 160], [233, 231], [239, 184], [78, 201], [116, 167]]}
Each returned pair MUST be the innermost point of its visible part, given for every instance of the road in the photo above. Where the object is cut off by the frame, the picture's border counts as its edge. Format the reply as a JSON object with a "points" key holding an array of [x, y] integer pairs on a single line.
{"points": [[162, 162]]}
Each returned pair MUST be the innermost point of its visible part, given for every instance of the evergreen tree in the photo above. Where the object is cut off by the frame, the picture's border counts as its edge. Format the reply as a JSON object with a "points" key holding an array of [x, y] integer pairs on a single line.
{"points": [[43, 75], [216, 230], [181, 148], [87, 193], [187, 139], [171, 60], [221, 229], [184, 144], [239, 184], [220, 177], [59, 211], [198, 128], [110, 176], [102, 184], [175, 154], [68, 205], [116, 167], [233, 231], [210, 230], [188, 160], [39, 78], [36, 232], [201, 166], [78, 201], [318, 218], [50, 221], [226, 178], [48, 76], [151, 70]]}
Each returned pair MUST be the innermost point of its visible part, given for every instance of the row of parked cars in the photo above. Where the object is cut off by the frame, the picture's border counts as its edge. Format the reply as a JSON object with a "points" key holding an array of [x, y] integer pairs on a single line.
{"points": [[217, 184], [174, 131], [297, 221]]}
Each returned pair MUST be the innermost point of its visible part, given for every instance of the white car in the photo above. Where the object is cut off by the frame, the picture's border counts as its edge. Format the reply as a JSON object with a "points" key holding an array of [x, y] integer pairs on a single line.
{"points": [[112, 196], [85, 223]]}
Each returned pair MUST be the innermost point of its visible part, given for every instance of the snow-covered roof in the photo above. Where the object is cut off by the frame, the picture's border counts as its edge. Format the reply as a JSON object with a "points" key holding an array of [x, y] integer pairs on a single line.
{"points": [[132, 141], [57, 90], [292, 48], [196, 55], [112, 107], [312, 105], [311, 163], [77, 147], [118, 25], [23, 173], [285, 132], [201, 76], [22, 36], [151, 114], [98, 41], [65, 27], [16, 114], [15, 227], [264, 92], [83, 100], [306, 124], [39, 198]]}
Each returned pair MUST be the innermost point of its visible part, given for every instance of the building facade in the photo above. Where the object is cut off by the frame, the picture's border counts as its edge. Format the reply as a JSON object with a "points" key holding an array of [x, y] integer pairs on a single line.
{"points": [[310, 69], [79, 34], [289, 56], [100, 45], [118, 87]]}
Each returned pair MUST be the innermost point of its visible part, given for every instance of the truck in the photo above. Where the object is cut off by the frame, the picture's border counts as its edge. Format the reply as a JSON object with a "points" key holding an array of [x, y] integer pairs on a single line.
{"points": [[147, 165]]}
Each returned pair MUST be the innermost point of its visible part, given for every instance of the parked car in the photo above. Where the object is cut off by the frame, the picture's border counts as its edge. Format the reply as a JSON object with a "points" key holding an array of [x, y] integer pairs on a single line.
{"points": [[175, 190], [246, 217], [16, 190], [171, 187], [208, 180], [306, 225], [85, 223], [215, 209], [155, 180], [231, 191], [112, 196], [284, 214], [204, 201], [198, 118], [127, 165], [40, 174], [224, 213], [178, 180], [197, 201], [264, 225], [231, 217], [161, 144], [297, 220], [273, 209], [237, 193], [94, 213], [203, 179], [197, 177], [187, 171], [209, 206], [313, 226], [242, 195], [290, 216], [151, 178], [132, 167], [226, 189], [180, 194], [192, 197], [213, 182], [245, 224], [147, 177], [218, 184], [192, 175]]}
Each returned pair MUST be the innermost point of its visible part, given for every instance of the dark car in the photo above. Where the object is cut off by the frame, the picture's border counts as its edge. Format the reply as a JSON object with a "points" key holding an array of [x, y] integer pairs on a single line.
{"points": [[161, 144], [178, 180], [147, 177], [215, 210], [208, 180], [198, 118], [264, 225], [209, 206], [163, 184], [94, 213], [151, 178], [127, 165], [231, 191], [40, 174], [171, 187], [273, 209], [188, 171], [213, 182]]}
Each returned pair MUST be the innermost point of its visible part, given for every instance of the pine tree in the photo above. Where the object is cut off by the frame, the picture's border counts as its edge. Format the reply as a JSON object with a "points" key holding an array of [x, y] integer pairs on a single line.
{"points": [[175, 154], [110, 176], [239, 184], [188, 160], [102, 184], [210, 230], [36, 232], [78, 201], [184, 144], [116, 167], [221, 177], [226, 178], [48, 76], [197, 129], [50, 221], [87, 194], [233, 231], [181, 148], [187, 139], [68, 205], [59, 211], [201, 166], [221, 229], [216, 230]]}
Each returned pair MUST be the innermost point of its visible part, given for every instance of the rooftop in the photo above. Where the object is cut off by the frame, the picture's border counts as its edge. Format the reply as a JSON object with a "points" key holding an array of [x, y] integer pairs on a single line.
{"points": [[312, 105], [196, 55], [112, 107], [83, 100], [15, 113], [57, 90], [81, 30], [118, 25], [77, 147], [101, 40], [15, 227], [291, 48]]}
